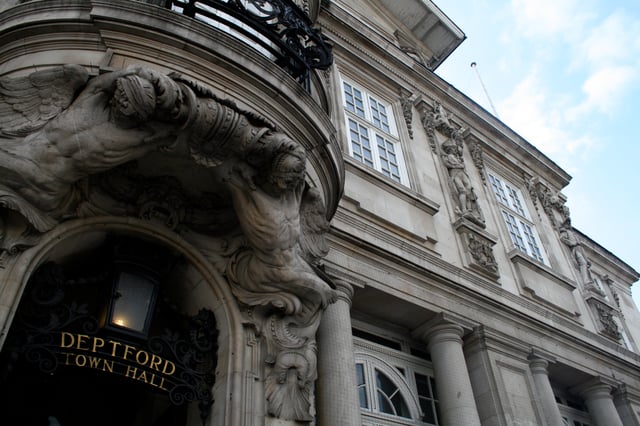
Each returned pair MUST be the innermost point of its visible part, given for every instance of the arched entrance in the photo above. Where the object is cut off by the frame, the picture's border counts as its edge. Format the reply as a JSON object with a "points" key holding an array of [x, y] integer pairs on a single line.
{"points": [[103, 336]]}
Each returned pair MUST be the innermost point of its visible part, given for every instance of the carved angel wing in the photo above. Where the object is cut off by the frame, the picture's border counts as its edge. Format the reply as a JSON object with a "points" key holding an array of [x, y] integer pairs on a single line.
{"points": [[314, 226], [28, 103]]}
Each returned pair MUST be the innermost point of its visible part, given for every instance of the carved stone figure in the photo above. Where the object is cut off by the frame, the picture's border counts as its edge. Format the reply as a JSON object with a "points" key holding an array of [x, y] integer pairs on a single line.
{"points": [[68, 141], [441, 119], [466, 199], [582, 263]]}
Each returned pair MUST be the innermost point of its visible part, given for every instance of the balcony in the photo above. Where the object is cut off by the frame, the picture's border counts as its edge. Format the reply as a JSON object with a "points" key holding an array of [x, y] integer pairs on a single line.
{"points": [[278, 29]]}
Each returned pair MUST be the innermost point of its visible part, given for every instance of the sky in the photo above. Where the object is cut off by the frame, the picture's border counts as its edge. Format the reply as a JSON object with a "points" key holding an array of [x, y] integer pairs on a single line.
{"points": [[565, 75]]}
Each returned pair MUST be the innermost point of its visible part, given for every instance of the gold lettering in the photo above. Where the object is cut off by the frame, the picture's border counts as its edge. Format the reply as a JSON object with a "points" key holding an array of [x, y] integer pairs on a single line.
{"points": [[81, 360], [127, 351], [155, 362], [146, 358], [114, 346], [132, 371], [95, 345], [168, 364], [143, 377], [68, 354], [81, 340], [107, 366], [94, 362], [161, 385], [63, 339]]}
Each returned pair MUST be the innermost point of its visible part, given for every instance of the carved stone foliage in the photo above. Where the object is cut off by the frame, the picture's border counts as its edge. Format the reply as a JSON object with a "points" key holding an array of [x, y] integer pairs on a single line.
{"points": [[552, 202], [605, 316], [407, 112], [166, 149]]}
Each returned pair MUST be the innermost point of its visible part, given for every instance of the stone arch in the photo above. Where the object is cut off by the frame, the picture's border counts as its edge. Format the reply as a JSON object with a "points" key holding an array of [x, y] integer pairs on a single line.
{"points": [[218, 297]]}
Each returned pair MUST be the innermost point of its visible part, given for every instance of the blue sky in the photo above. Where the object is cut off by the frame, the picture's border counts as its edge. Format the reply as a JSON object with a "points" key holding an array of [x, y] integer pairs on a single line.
{"points": [[565, 74]]}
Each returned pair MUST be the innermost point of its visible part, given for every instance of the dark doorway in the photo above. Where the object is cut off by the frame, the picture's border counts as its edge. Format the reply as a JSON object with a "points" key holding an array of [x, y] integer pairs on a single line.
{"points": [[82, 397]]}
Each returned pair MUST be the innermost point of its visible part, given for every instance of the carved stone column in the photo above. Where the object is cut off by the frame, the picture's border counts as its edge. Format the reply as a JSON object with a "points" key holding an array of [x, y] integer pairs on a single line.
{"points": [[455, 395], [538, 366], [337, 394], [599, 401]]}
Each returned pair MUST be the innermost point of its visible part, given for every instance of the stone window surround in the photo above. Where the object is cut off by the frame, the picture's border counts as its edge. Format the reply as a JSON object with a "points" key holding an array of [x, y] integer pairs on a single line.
{"points": [[520, 212], [392, 136]]}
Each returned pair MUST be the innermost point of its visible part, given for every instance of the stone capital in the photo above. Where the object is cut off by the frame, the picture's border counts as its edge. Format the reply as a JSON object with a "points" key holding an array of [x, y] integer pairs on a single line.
{"points": [[345, 291], [596, 388], [539, 361], [443, 327]]}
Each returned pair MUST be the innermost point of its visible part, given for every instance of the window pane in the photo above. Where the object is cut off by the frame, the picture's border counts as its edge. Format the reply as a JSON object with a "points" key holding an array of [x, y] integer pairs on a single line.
{"points": [[379, 115], [516, 203], [360, 145], [384, 405], [362, 391], [353, 99], [390, 400], [532, 242], [400, 405], [388, 160], [514, 232], [496, 184]]}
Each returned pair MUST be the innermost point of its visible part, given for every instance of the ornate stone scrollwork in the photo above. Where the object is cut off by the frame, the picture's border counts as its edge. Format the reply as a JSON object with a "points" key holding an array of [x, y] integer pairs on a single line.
{"points": [[553, 202], [407, 111], [71, 146], [605, 316], [479, 247]]}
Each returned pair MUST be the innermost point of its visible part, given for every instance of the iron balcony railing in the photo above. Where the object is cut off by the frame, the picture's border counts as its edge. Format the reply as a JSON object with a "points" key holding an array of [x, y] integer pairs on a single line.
{"points": [[278, 29]]}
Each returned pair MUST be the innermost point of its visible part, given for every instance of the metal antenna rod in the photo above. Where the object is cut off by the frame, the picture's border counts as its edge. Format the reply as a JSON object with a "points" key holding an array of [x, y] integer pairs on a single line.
{"points": [[493, 108]]}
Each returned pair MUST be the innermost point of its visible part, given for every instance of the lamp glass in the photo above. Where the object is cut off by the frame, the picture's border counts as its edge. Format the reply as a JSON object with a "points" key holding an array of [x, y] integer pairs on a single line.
{"points": [[132, 301]]}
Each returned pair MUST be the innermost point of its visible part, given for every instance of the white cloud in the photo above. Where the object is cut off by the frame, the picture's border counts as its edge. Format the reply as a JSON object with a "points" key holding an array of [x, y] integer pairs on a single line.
{"points": [[549, 18], [604, 90], [540, 119], [611, 40]]}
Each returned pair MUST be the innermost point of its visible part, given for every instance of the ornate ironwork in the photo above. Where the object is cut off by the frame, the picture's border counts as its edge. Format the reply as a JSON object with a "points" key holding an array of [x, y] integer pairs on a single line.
{"points": [[55, 328], [277, 28]]}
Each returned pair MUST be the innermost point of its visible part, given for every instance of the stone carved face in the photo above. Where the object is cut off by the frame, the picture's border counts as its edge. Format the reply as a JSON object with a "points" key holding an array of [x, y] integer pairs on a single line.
{"points": [[134, 99], [287, 171]]}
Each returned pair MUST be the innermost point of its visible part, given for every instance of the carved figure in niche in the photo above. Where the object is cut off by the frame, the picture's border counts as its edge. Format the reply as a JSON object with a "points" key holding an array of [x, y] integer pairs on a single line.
{"points": [[466, 199], [569, 238]]}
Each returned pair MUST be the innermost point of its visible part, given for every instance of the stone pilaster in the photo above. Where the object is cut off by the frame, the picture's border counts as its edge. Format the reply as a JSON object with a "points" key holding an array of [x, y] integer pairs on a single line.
{"points": [[336, 393], [538, 365], [597, 396], [455, 395]]}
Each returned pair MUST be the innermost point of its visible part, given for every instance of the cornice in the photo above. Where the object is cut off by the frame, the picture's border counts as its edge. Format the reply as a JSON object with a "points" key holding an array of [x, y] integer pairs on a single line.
{"points": [[379, 57], [454, 284]]}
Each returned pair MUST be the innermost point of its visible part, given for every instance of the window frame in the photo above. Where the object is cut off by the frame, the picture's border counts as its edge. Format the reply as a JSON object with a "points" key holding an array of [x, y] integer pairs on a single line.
{"points": [[522, 231], [401, 368], [360, 120]]}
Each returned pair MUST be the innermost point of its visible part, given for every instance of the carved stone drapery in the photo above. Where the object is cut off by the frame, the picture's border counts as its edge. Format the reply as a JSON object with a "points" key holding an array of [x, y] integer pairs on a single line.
{"points": [[167, 149]]}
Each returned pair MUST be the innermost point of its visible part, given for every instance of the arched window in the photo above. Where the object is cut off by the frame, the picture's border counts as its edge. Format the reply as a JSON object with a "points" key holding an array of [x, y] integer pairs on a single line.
{"points": [[396, 392]]}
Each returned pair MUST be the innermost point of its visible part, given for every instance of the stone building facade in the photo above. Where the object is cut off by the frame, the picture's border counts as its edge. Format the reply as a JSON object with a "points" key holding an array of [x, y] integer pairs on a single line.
{"points": [[274, 213]]}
